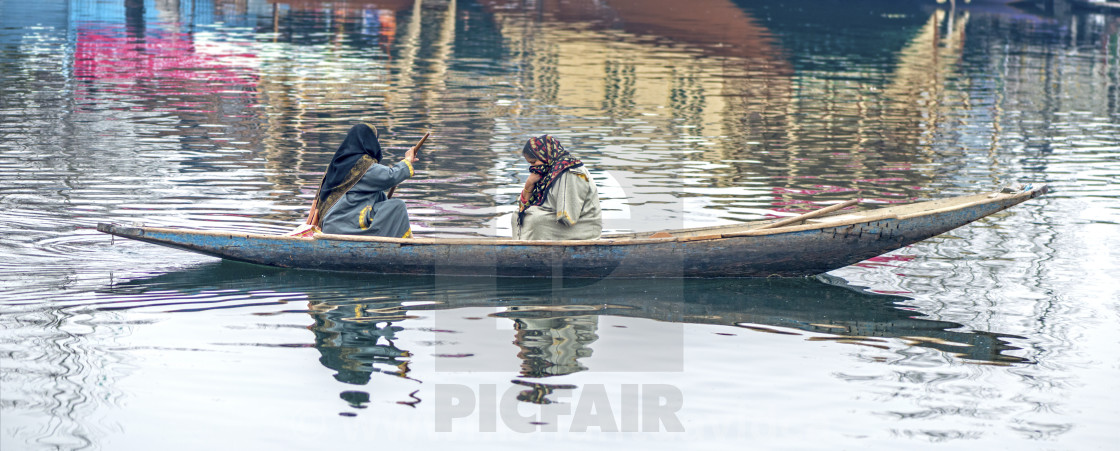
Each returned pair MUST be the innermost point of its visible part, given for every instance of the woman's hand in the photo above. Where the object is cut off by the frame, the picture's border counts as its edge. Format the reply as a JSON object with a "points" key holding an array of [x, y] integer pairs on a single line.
{"points": [[533, 179], [410, 155]]}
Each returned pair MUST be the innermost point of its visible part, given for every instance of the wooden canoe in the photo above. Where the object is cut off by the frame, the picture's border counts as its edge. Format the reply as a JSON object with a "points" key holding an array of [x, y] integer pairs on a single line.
{"points": [[804, 248]]}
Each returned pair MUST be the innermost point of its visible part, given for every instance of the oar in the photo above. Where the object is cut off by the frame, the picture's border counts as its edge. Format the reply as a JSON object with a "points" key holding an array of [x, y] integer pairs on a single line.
{"points": [[313, 217], [417, 147], [809, 215], [308, 228]]}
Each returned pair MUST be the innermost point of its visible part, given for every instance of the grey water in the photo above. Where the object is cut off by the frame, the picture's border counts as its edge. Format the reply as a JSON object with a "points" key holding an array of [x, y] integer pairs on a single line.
{"points": [[222, 115]]}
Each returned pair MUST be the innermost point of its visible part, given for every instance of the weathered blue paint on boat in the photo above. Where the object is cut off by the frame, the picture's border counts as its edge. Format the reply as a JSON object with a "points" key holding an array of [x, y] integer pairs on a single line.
{"points": [[812, 247]]}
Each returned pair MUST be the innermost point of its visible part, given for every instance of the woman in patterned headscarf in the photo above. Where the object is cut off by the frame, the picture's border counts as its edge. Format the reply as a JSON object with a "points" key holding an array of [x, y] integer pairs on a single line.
{"points": [[559, 201], [352, 199]]}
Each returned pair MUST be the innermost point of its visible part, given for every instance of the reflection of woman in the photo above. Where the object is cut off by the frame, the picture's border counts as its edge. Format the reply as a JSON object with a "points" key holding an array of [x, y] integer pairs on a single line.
{"points": [[559, 201], [352, 197], [553, 346], [355, 346]]}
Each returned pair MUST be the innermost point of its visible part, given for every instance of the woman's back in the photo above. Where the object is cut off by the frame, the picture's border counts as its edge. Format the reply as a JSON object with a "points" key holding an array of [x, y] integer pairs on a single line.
{"points": [[366, 210], [559, 201], [352, 198]]}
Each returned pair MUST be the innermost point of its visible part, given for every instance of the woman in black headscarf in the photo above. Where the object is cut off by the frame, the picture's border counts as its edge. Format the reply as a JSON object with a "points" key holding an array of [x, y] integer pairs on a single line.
{"points": [[352, 199]]}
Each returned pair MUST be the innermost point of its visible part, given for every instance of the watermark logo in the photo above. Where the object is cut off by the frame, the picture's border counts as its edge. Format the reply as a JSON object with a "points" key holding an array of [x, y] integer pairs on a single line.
{"points": [[531, 407]]}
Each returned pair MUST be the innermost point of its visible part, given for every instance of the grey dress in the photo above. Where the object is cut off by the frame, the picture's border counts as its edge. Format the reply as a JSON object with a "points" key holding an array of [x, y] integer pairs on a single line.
{"points": [[570, 212], [366, 210]]}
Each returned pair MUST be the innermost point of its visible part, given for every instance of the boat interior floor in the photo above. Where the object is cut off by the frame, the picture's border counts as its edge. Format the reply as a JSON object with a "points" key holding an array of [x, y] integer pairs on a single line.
{"points": [[842, 216]]}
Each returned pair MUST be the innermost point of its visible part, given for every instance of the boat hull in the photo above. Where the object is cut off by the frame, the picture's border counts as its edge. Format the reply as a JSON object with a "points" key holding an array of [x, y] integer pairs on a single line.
{"points": [[802, 250]]}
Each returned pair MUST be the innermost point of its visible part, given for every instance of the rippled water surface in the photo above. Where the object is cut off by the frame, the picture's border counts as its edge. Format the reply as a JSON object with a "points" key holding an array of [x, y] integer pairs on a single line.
{"points": [[222, 115]]}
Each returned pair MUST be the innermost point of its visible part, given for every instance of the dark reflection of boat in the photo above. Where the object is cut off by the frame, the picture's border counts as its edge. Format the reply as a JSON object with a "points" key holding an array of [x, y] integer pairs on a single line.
{"points": [[357, 317]]}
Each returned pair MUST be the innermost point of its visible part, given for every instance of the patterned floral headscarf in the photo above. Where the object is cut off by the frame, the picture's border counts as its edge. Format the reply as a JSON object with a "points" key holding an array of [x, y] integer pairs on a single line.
{"points": [[547, 150]]}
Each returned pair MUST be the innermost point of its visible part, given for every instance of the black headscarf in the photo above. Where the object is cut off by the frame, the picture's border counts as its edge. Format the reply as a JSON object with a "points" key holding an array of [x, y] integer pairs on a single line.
{"points": [[354, 156]]}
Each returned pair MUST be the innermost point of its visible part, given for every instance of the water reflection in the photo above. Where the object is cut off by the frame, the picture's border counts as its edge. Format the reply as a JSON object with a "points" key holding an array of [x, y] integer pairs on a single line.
{"points": [[356, 345], [552, 346], [357, 319]]}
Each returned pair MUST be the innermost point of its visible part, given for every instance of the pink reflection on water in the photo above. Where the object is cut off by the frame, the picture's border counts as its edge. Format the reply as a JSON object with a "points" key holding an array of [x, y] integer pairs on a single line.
{"points": [[169, 63], [884, 261]]}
